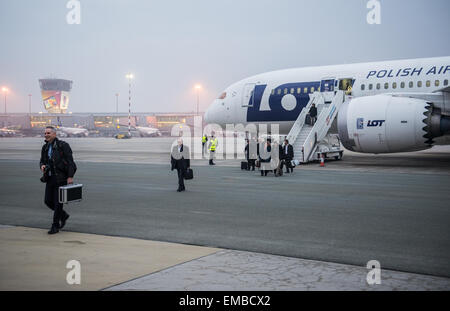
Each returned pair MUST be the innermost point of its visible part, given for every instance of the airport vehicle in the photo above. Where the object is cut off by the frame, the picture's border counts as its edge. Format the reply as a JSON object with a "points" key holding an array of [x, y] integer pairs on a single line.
{"points": [[122, 136], [379, 107]]}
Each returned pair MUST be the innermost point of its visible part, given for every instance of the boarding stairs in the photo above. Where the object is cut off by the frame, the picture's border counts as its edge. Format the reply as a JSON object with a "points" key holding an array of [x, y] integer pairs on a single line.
{"points": [[305, 138]]}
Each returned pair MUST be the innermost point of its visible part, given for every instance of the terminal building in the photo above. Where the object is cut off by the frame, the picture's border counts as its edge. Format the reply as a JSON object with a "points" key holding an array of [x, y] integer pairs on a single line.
{"points": [[98, 124], [55, 97]]}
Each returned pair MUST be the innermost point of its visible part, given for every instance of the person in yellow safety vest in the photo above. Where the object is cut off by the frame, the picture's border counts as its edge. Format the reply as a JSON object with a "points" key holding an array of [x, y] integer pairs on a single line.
{"points": [[212, 149], [204, 140]]}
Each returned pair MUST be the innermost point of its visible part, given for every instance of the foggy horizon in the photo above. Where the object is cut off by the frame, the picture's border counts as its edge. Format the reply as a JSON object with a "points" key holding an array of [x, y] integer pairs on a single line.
{"points": [[171, 46]]}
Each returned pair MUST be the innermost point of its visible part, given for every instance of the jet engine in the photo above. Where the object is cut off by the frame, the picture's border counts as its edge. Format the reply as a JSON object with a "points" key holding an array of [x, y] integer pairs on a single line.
{"points": [[387, 124]]}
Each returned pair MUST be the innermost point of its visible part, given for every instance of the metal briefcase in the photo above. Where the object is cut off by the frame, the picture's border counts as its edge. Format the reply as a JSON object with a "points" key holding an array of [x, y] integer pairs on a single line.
{"points": [[70, 193]]}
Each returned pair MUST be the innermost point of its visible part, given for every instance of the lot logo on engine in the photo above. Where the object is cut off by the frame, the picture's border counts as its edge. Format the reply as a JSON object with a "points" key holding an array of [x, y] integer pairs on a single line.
{"points": [[360, 123], [375, 123]]}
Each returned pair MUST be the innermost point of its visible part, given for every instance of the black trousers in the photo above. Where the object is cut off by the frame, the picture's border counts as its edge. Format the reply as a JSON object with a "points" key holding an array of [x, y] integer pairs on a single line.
{"points": [[251, 163], [180, 178], [51, 199]]}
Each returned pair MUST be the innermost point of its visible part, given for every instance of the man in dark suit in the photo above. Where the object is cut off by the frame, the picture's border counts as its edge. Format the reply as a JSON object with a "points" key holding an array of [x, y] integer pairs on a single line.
{"points": [[313, 114], [58, 167], [288, 156], [180, 160], [265, 158], [250, 153]]}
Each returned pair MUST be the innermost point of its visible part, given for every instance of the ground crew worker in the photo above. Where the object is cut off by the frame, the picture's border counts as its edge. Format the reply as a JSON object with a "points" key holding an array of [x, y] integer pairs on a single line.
{"points": [[212, 149], [204, 140]]}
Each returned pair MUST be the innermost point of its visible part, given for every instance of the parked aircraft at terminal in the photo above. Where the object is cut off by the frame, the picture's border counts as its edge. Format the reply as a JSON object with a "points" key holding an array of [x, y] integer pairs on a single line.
{"points": [[391, 106], [145, 131], [72, 131], [6, 132]]}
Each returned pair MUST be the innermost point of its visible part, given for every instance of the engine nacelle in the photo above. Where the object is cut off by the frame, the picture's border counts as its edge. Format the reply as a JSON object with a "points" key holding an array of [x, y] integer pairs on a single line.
{"points": [[387, 124]]}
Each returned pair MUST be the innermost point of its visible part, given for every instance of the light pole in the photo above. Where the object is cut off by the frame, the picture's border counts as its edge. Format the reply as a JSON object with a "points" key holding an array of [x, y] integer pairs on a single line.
{"points": [[198, 88], [129, 77], [29, 103], [117, 102]]}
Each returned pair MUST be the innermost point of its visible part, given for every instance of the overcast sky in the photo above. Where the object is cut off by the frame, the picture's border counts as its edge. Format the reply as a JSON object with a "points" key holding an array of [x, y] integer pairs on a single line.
{"points": [[171, 45]]}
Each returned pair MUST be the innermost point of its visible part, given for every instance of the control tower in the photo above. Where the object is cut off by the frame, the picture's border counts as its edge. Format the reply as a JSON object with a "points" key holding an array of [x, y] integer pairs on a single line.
{"points": [[55, 94]]}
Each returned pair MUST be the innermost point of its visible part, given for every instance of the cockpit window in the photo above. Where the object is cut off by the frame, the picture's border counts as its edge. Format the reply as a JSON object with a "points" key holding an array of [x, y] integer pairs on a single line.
{"points": [[223, 95]]}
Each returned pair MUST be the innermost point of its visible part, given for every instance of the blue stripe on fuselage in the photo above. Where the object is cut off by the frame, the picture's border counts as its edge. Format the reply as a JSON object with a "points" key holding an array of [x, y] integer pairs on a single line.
{"points": [[277, 112]]}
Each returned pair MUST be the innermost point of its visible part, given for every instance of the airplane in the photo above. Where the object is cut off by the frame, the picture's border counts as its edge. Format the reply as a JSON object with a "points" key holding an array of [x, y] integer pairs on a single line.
{"points": [[390, 106], [6, 132], [72, 131], [145, 131]]}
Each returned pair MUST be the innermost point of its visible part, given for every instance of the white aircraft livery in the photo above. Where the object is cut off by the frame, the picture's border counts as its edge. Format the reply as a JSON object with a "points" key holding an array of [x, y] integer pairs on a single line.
{"points": [[72, 131], [146, 131], [391, 106]]}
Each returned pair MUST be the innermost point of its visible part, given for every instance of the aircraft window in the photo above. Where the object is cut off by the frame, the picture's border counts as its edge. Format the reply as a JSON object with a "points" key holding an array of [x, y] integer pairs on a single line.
{"points": [[411, 84], [363, 86], [436, 83], [279, 91], [285, 91], [370, 86], [312, 89], [305, 90], [445, 82], [394, 85], [273, 91], [299, 90], [378, 86], [292, 90], [402, 85], [428, 83], [419, 83], [386, 86]]}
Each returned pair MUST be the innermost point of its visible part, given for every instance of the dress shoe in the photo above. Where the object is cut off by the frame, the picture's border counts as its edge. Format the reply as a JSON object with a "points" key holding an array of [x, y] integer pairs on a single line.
{"points": [[63, 220], [54, 229]]}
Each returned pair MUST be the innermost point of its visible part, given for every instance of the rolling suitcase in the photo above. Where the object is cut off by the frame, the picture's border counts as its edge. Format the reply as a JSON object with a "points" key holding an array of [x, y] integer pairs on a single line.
{"points": [[189, 174], [308, 119], [244, 165], [278, 170]]}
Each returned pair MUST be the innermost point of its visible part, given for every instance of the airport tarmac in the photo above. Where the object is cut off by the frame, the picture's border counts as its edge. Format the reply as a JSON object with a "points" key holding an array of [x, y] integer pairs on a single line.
{"points": [[323, 223]]}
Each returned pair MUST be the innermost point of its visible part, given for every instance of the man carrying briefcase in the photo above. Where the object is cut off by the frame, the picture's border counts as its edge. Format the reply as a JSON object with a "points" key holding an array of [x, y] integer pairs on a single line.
{"points": [[58, 169], [180, 160]]}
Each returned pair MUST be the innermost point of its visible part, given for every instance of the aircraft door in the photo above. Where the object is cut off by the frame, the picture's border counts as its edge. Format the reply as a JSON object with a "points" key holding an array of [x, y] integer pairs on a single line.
{"points": [[327, 88], [346, 85], [327, 85]]}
